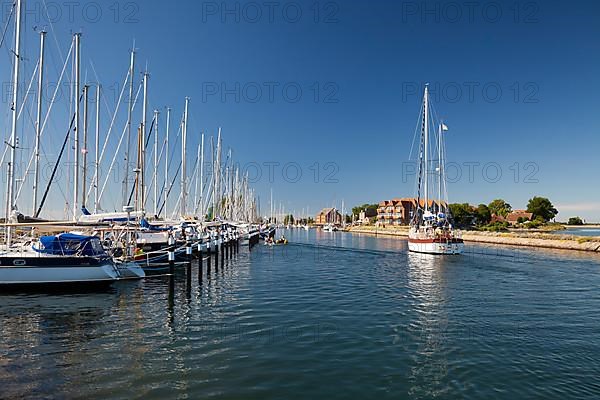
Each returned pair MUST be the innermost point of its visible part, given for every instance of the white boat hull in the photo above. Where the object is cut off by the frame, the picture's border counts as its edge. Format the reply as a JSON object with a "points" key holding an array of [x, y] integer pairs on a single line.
{"points": [[130, 270], [33, 275], [431, 247]]}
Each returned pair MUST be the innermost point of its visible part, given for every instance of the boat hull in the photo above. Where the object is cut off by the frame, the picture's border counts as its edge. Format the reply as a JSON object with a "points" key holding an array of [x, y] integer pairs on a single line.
{"points": [[24, 271], [432, 246]]}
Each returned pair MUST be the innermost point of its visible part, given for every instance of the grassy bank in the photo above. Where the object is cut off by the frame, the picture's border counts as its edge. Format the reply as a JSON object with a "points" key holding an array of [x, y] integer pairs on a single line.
{"points": [[528, 239]]}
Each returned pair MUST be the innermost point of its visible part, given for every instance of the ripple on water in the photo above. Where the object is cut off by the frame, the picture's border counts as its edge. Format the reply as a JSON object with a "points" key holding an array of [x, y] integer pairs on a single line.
{"points": [[335, 317]]}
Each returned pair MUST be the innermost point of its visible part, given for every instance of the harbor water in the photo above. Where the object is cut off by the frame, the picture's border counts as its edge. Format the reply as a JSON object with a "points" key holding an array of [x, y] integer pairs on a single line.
{"points": [[331, 315]]}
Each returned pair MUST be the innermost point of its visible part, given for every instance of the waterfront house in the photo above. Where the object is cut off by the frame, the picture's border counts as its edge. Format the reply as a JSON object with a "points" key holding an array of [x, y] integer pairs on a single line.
{"points": [[399, 211], [328, 216], [364, 217], [519, 216]]}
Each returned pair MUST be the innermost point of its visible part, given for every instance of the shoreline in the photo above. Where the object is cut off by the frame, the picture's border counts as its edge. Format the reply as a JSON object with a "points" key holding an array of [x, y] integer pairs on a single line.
{"points": [[534, 239]]}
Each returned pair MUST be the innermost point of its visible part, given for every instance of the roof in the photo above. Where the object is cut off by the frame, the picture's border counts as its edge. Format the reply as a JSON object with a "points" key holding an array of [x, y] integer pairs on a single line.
{"points": [[515, 215], [326, 211], [410, 200]]}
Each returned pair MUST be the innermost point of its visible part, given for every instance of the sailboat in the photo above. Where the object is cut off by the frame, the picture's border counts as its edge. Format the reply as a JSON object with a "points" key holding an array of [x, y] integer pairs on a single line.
{"points": [[66, 258], [431, 230]]}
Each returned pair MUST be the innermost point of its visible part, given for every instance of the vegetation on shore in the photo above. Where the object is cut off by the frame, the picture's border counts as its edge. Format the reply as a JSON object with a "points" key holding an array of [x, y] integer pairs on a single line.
{"points": [[492, 217]]}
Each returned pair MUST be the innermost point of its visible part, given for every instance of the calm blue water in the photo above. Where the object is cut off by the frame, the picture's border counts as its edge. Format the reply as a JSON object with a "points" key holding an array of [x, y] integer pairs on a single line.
{"points": [[581, 231], [330, 316]]}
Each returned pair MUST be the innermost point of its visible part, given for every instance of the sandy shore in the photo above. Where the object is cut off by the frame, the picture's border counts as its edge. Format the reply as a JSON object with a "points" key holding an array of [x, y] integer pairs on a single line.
{"points": [[541, 240]]}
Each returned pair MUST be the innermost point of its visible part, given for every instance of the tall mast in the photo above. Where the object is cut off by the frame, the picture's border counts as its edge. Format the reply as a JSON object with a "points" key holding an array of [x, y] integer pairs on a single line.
{"points": [[143, 145], [183, 158], [196, 179], [85, 143], [271, 217], [38, 122], [156, 163], [129, 112], [77, 37], [202, 178], [167, 184], [218, 174], [440, 167], [10, 197], [214, 192], [97, 149], [426, 155]]}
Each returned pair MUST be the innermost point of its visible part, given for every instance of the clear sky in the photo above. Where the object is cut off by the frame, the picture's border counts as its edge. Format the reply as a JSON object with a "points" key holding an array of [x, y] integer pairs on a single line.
{"points": [[335, 87]]}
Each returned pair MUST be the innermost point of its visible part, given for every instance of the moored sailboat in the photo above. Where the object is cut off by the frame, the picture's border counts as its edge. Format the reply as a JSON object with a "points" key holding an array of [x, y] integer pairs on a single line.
{"points": [[431, 230]]}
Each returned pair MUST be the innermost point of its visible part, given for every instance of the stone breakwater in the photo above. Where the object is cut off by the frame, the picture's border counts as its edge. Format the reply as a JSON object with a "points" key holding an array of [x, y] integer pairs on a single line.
{"points": [[541, 240]]}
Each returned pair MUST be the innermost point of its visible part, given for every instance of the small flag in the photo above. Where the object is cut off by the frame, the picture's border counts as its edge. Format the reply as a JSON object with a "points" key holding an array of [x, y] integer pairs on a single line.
{"points": [[444, 127]]}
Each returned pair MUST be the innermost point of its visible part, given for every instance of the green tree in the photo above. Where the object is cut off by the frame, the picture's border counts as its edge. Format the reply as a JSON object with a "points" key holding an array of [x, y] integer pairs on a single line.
{"points": [[542, 207], [462, 214], [370, 210], [483, 214], [288, 219], [500, 207], [575, 221]]}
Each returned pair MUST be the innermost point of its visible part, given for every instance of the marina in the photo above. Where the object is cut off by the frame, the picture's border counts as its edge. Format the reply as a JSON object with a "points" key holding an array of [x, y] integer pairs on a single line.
{"points": [[403, 323], [199, 204]]}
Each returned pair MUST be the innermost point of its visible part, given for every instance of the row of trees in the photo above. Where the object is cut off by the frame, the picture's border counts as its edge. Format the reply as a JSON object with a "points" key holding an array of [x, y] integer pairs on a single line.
{"points": [[465, 215]]}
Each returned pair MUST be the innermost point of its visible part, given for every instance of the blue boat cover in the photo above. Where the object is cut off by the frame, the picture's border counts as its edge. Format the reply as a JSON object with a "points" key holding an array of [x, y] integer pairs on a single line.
{"points": [[71, 244], [146, 225]]}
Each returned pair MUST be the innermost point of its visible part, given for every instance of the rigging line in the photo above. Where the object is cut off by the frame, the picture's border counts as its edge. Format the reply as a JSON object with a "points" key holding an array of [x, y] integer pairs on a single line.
{"points": [[118, 148], [62, 150], [33, 75], [28, 166], [170, 188], [56, 91], [136, 180], [172, 155], [12, 11], [110, 127], [53, 32], [49, 108], [106, 105]]}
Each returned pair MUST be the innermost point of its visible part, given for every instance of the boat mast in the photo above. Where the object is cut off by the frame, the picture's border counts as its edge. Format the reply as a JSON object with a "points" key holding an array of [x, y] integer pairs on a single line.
{"points": [[85, 143], [202, 177], [183, 166], [77, 38], [196, 179], [217, 177], [97, 148], [129, 112], [156, 163], [166, 186], [10, 203], [426, 155], [213, 162], [143, 144], [440, 168], [38, 123]]}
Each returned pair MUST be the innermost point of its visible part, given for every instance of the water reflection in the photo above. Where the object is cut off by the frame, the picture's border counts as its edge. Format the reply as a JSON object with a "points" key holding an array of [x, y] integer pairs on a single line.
{"points": [[429, 326], [36, 324]]}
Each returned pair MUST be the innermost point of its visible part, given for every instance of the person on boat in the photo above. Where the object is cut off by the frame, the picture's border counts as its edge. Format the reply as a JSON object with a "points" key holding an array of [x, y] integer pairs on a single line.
{"points": [[282, 240]]}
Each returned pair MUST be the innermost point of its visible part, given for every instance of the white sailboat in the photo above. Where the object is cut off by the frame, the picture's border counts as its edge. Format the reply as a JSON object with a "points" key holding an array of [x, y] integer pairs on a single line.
{"points": [[431, 230], [60, 259]]}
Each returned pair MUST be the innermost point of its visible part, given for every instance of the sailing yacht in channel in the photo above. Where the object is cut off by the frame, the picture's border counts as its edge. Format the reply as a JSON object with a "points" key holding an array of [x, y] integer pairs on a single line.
{"points": [[431, 230]]}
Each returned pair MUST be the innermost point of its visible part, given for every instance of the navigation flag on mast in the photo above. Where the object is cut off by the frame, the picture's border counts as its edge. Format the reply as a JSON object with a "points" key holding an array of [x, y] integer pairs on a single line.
{"points": [[444, 127]]}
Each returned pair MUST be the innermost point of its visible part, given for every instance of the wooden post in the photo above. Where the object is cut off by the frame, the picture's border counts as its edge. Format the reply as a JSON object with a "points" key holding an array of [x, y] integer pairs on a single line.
{"points": [[200, 261], [188, 253], [222, 249], [171, 255]]}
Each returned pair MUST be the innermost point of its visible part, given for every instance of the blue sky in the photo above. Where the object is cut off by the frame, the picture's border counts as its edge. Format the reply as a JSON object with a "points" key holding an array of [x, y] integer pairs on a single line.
{"points": [[336, 89]]}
